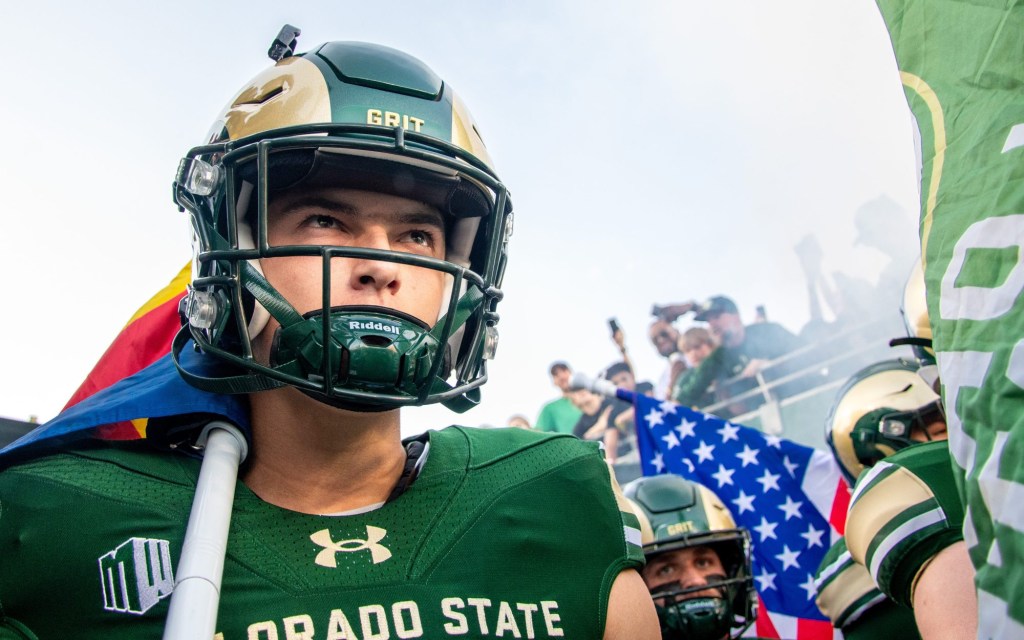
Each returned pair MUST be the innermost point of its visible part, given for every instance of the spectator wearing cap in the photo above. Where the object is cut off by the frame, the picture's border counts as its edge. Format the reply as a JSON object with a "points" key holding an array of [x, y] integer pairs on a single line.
{"points": [[560, 415], [742, 352]]}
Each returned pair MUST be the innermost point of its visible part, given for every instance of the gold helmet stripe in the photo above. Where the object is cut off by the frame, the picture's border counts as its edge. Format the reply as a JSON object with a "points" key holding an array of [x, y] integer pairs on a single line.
{"points": [[292, 92], [465, 133]]}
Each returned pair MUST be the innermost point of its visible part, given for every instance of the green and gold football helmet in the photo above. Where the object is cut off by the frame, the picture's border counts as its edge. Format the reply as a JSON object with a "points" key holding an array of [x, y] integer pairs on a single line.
{"points": [[676, 514], [875, 413], [356, 116]]}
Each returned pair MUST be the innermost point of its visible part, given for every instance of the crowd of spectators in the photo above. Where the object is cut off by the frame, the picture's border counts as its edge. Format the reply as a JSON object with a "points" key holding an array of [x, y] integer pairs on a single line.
{"points": [[715, 359], [716, 362]]}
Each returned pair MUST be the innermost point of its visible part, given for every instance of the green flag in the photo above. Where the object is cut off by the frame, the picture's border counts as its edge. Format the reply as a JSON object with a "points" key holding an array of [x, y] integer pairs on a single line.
{"points": [[962, 67]]}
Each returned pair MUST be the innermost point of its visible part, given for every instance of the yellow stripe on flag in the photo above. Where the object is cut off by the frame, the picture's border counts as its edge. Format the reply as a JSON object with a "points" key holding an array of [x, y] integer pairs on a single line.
{"points": [[173, 289]]}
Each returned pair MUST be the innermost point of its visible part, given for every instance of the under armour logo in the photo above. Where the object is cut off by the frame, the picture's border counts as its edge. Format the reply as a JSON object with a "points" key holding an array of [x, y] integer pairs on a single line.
{"points": [[374, 535]]}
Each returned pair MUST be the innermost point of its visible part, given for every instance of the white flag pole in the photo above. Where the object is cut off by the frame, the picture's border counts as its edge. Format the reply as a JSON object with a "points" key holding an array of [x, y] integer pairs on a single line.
{"points": [[601, 387], [193, 610]]}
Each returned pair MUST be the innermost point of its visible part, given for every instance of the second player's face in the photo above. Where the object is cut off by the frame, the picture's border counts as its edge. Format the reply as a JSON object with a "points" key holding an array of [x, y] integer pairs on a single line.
{"points": [[352, 218], [691, 567], [934, 430]]}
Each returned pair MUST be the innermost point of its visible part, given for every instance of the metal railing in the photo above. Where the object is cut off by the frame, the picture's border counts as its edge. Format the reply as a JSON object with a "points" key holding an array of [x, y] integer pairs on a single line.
{"points": [[787, 408]]}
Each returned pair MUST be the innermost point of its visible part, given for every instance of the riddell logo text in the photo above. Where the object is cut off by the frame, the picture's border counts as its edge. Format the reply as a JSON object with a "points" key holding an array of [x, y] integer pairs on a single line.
{"points": [[374, 326]]}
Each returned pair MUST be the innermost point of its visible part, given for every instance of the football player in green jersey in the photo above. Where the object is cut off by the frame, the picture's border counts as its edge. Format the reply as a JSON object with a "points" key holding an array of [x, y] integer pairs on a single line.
{"points": [[350, 238], [887, 430], [698, 562]]}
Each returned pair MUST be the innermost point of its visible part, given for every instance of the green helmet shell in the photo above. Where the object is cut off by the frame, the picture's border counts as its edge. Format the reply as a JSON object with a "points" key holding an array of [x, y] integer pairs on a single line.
{"points": [[359, 116], [674, 514]]}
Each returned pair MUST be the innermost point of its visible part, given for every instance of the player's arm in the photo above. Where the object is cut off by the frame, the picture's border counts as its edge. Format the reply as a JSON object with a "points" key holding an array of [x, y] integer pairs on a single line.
{"points": [[906, 526], [631, 614], [945, 603]]}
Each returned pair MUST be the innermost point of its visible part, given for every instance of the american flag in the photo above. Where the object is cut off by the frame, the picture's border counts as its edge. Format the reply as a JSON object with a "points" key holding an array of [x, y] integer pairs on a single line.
{"points": [[791, 498]]}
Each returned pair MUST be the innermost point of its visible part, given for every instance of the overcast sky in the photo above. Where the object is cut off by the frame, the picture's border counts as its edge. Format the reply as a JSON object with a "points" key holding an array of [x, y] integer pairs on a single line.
{"points": [[655, 151]]}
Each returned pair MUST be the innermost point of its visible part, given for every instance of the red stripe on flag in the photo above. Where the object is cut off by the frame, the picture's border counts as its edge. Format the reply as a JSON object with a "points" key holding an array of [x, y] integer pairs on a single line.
{"points": [[139, 345], [840, 505], [763, 624], [813, 629]]}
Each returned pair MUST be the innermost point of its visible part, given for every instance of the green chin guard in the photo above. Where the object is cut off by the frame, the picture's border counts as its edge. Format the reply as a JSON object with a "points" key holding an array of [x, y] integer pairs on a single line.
{"points": [[695, 619], [367, 349]]}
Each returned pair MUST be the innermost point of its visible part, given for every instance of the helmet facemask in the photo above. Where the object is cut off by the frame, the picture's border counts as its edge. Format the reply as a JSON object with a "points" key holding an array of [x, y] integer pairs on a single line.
{"points": [[685, 615], [882, 432], [362, 357]]}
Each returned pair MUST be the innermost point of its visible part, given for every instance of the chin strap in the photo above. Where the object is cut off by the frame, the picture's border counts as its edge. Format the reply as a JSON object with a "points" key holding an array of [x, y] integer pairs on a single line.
{"points": [[250, 382], [463, 310], [244, 383]]}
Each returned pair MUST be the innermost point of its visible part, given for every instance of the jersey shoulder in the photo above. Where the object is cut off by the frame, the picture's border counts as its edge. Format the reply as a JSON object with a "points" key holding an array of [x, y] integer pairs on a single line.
{"points": [[69, 519], [845, 589], [557, 474], [904, 510], [850, 599], [480, 448], [103, 469]]}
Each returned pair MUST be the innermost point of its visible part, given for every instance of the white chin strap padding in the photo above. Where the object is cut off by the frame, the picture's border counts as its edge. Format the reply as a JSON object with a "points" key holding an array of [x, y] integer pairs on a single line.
{"points": [[260, 315]]}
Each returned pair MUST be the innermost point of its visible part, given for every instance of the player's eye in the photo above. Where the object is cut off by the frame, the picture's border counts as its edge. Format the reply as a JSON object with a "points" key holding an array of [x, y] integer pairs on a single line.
{"points": [[421, 237], [322, 222], [423, 240]]}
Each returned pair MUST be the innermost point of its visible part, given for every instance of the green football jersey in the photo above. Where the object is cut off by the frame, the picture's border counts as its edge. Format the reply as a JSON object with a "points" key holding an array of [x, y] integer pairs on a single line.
{"points": [[849, 597], [904, 510], [505, 533]]}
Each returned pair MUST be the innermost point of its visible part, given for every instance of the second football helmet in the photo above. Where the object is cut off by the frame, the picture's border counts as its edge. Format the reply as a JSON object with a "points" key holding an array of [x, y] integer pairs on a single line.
{"points": [[677, 514], [875, 413]]}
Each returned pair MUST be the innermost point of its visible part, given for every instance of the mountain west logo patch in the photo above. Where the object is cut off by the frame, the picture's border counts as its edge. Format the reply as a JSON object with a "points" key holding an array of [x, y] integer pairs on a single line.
{"points": [[327, 558], [136, 575]]}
